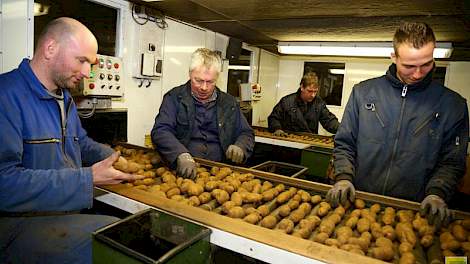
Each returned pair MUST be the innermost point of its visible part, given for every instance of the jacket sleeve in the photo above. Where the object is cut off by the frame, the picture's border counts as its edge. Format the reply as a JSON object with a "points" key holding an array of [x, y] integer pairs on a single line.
{"points": [[327, 119], [452, 158], [26, 190], [345, 148], [164, 130], [246, 136], [274, 119]]}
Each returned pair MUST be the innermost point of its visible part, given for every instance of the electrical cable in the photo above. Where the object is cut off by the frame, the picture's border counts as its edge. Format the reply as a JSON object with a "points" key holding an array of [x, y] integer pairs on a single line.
{"points": [[144, 18], [94, 102]]}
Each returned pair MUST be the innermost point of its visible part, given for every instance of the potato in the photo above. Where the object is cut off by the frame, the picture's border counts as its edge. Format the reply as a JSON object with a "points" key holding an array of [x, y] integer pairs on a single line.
{"points": [[264, 210], [315, 199], [296, 215], [236, 197], [405, 233], [266, 186], [459, 232], [214, 170], [321, 237], [389, 232], [236, 212], [173, 191], [363, 225], [220, 195], [167, 176], [269, 221], [383, 253], [343, 234], [286, 225], [227, 206], [407, 258], [204, 197], [305, 196], [351, 222], [303, 233], [293, 204], [252, 218], [339, 210], [121, 164], [195, 189], [359, 204], [194, 201], [375, 208], [332, 242], [426, 240], [405, 216], [212, 185], [284, 210], [405, 247]]}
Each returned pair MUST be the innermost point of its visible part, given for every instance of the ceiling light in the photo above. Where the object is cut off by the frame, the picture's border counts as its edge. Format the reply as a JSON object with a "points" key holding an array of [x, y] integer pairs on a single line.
{"points": [[361, 49], [336, 71], [41, 9]]}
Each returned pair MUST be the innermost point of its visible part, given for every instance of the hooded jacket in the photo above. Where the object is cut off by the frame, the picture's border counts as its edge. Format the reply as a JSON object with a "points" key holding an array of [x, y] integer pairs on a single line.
{"points": [[400, 140]]}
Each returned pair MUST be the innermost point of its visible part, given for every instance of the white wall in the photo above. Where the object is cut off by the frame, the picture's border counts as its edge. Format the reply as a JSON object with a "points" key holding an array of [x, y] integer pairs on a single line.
{"points": [[458, 78], [268, 79], [16, 37]]}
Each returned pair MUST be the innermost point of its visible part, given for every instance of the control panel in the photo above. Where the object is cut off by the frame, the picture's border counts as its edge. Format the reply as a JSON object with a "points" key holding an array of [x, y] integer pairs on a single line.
{"points": [[105, 78], [250, 92]]}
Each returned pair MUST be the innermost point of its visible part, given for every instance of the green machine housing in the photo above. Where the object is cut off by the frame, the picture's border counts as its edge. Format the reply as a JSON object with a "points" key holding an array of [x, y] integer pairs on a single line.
{"points": [[152, 236]]}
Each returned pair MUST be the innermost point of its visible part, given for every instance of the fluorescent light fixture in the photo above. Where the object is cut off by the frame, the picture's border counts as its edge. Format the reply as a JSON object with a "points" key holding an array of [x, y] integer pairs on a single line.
{"points": [[360, 49], [336, 71], [239, 67]]}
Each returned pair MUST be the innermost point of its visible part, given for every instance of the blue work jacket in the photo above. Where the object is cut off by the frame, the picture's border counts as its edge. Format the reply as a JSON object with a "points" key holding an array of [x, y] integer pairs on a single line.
{"points": [[41, 163]]}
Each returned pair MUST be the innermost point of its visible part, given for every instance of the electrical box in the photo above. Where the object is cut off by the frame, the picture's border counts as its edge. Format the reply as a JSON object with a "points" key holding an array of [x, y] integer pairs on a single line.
{"points": [[149, 50], [105, 78], [250, 92]]}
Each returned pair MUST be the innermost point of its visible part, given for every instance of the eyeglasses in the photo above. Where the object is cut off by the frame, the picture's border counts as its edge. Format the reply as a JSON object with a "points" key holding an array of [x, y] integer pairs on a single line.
{"points": [[201, 82]]}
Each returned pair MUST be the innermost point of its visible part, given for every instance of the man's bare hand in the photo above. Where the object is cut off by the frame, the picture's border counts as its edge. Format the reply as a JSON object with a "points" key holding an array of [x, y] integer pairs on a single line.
{"points": [[104, 173]]}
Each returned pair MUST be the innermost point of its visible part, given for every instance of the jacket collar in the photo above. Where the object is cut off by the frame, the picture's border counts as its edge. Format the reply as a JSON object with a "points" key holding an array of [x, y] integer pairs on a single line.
{"points": [[33, 82], [397, 83]]}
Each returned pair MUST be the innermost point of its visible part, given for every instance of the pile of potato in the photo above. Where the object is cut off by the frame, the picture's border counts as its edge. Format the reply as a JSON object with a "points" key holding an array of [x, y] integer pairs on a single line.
{"points": [[295, 137], [382, 233]]}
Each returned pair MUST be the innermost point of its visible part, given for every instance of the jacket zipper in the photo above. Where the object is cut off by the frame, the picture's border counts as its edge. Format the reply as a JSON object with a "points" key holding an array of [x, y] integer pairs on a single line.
{"points": [[42, 141], [395, 144], [64, 129], [425, 123]]}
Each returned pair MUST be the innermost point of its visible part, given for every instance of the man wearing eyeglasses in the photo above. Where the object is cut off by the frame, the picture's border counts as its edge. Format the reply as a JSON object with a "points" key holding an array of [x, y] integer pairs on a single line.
{"points": [[196, 119]]}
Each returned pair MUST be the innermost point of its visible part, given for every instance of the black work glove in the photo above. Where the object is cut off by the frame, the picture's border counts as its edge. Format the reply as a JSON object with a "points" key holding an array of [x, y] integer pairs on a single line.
{"points": [[435, 208], [186, 166], [280, 133], [342, 191], [235, 154]]}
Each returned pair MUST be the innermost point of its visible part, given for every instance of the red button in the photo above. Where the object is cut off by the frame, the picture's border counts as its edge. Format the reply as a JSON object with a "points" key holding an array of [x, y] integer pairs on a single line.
{"points": [[116, 65], [91, 85]]}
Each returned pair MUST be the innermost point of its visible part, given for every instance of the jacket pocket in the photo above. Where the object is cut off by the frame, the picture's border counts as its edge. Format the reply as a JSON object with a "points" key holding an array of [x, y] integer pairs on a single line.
{"points": [[182, 123], [434, 117], [371, 107], [41, 153]]}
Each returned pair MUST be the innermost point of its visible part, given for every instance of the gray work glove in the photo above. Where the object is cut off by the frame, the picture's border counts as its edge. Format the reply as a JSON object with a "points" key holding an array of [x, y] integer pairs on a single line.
{"points": [[435, 208], [341, 192], [280, 133], [235, 154], [186, 166]]}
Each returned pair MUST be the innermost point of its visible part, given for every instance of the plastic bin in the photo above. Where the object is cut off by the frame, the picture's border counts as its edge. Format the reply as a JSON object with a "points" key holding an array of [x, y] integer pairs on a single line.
{"points": [[281, 168], [152, 236]]}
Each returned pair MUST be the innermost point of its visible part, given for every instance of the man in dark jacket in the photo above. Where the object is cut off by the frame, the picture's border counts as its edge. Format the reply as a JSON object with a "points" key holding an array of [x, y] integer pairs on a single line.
{"points": [[48, 165], [402, 134], [197, 119], [301, 111]]}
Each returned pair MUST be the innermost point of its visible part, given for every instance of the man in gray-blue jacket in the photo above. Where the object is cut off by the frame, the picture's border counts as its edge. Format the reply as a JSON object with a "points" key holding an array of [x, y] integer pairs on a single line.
{"points": [[197, 119], [48, 165], [402, 134]]}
